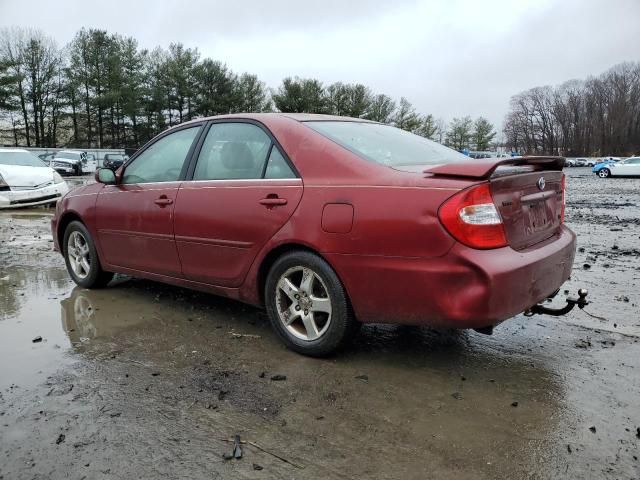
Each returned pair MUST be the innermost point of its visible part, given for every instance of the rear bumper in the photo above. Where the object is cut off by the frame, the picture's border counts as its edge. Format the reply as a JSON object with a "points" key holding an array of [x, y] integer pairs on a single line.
{"points": [[465, 288], [30, 198]]}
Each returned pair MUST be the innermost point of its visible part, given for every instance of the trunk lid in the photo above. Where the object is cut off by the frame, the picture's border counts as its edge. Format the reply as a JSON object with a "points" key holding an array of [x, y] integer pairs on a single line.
{"points": [[527, 191], [530, 205]]}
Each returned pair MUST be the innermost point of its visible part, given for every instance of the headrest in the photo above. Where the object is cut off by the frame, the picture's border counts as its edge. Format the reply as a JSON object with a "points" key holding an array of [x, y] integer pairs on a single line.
{"points": [[237, 156]]}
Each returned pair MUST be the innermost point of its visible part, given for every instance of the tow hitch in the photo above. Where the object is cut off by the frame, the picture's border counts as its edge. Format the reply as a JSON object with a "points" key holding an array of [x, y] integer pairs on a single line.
{"points": [[539, 309]]}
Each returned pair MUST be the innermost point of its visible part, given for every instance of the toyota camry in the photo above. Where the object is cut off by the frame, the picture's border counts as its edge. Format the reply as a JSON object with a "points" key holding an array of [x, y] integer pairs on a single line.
{"points": [[327, 222]]}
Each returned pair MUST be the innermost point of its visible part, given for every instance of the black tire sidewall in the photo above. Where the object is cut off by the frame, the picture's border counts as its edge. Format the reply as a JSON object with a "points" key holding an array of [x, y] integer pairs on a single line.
{"points": [[95, 274], [342, 325]]}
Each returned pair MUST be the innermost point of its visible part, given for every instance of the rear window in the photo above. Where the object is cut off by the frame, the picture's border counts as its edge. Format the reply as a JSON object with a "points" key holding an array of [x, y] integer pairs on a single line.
{"points": [[386, 145], [23, 159]]}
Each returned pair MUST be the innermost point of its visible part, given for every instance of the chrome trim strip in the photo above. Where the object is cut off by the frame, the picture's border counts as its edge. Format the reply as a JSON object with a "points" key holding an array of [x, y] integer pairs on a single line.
{"points": [[155, 236], [294, 181], [451, 189], [219, 242]]}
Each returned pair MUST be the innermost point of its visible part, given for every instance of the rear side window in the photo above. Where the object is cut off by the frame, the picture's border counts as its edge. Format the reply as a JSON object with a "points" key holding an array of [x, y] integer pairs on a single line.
{"points": [[232, 151], [277, 166], [386, 145]]}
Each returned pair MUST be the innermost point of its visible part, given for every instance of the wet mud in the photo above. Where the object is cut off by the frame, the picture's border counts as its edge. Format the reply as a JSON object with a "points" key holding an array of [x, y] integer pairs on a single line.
{"points": [[142, 380]]}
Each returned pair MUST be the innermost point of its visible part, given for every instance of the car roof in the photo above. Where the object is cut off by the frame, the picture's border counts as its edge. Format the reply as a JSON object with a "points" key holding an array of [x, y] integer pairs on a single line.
{"points": [[299, 117], [13, 150]]}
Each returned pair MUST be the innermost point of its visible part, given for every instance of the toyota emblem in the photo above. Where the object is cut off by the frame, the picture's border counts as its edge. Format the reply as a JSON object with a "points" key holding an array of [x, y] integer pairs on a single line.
{"points": [[541, 183]]}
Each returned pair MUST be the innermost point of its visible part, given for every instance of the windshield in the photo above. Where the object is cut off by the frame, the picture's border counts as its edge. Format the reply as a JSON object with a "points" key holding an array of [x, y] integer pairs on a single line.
{"points": [[68, 155], [23, 159], [385, 144]]}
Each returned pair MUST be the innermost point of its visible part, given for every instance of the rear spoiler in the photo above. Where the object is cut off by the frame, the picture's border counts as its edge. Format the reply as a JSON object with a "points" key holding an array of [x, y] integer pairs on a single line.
{"points": [[485, 167]]}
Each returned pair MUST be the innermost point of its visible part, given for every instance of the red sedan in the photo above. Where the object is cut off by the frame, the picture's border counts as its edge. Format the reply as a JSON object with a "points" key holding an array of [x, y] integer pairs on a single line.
{"points": [[328, 222]]}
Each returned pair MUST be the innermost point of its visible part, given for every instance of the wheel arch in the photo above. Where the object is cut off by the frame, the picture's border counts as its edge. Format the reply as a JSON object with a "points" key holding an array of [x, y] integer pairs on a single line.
{"points": [[270, 258], [63, 223]]}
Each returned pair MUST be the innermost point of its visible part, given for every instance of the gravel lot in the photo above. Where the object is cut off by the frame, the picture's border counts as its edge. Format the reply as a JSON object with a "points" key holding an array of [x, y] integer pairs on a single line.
{"points": [[142, 380]]}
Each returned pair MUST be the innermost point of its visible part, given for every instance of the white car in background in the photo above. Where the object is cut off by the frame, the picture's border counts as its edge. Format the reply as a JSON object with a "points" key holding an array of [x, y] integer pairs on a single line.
{"points": [[629, 167], [25, 180], [72, 162]]}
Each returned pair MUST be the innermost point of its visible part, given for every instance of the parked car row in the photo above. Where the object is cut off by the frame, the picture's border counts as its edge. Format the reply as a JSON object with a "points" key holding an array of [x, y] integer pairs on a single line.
{"points": [[77, 162], [25, 180], [587, 162]]}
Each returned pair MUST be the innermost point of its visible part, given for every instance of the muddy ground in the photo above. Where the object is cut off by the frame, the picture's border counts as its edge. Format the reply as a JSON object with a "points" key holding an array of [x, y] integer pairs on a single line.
{"points": [[142, 380]]}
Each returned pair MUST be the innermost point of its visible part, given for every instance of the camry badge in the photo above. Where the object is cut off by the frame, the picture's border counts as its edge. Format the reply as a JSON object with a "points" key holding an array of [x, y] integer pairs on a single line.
{"points": [[541, 183]]}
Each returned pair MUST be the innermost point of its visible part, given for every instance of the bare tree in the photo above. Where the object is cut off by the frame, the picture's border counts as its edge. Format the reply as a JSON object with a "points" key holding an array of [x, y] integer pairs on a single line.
{"points": [[598, 116]]}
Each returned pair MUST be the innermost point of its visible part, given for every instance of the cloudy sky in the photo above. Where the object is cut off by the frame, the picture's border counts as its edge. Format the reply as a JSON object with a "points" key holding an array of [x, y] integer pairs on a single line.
{"points": [[448, 57]]}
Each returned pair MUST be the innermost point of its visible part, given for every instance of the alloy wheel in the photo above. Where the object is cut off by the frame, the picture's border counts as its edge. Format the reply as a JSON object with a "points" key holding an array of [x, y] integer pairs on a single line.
{"points": [[303, 303], [79, 256]]}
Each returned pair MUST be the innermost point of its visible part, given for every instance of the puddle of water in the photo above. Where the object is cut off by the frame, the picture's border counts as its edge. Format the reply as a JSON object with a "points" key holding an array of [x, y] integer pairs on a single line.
{"points": [[30, 308], [164, 361]]}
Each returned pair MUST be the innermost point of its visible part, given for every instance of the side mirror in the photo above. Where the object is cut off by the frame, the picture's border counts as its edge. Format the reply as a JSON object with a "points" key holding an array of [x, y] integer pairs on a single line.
{"points": [[106, 176]]}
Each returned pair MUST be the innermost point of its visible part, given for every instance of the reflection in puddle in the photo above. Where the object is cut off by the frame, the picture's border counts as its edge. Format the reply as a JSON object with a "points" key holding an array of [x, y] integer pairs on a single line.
{"points": [[91, 314], [429, 388], [19, 286]]}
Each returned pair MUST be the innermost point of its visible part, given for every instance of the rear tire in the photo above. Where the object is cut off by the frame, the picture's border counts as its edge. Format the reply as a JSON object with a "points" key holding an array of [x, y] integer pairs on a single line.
{"points": [[308, 306], [81, 257], [604, 173]]}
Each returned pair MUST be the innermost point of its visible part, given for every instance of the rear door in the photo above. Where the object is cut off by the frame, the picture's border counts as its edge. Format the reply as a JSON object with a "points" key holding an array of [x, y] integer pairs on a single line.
{"points": [[135, 217], [242, 190]]}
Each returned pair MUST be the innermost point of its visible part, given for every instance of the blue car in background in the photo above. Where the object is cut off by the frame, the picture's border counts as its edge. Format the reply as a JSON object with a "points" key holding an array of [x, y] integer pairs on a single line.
{"points": [[601, 169]]}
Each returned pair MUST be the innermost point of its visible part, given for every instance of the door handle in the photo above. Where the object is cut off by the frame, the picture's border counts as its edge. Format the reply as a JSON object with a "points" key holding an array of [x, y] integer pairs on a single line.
{"points": [[273, 201], [163, 201]]}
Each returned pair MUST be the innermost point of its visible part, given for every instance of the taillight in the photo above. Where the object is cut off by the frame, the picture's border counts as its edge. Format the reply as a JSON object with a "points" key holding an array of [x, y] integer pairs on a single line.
{"points": [[471, 217], [564, 201]]}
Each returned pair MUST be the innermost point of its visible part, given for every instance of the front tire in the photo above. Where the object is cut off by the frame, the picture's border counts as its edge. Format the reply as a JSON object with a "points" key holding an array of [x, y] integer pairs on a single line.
{"points": [[604, 173], [81, 257], [308, 306]]}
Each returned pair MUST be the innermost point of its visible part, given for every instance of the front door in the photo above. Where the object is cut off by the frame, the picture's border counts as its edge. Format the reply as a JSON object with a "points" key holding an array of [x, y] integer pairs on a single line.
{"points": [[630, 167], [135, 217], [242, 192]]}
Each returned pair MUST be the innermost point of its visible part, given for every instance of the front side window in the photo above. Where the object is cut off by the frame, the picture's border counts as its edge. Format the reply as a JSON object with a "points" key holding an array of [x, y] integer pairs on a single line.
{"points": [[162, 161], [232, 151], [385, 144]]}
